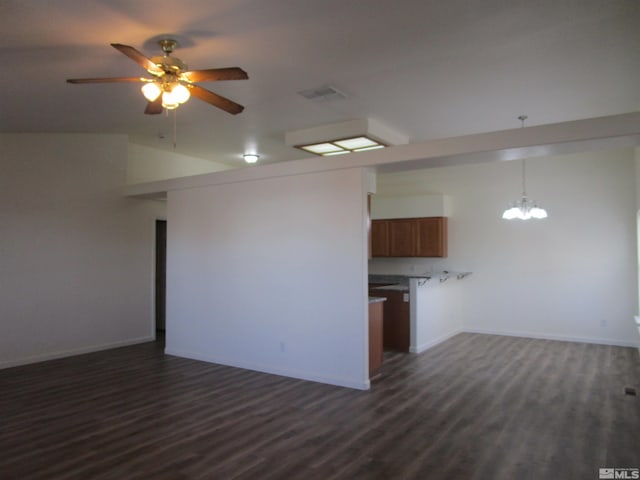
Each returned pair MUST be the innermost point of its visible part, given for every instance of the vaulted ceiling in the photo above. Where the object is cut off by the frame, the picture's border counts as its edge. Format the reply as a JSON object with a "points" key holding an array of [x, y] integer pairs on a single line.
{"points": [[427, 69]]}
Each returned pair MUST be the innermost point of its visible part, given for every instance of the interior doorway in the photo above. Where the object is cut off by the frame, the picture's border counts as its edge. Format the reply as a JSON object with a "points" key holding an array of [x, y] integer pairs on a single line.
{"points": [[161, 276]]}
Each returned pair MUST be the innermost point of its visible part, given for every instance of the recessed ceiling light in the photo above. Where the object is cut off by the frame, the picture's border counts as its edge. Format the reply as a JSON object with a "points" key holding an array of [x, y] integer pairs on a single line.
{"points": [[251, 157]]}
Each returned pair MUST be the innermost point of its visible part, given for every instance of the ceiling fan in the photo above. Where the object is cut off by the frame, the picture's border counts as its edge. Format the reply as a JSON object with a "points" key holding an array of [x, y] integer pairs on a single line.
{"points": [[171, 83]]}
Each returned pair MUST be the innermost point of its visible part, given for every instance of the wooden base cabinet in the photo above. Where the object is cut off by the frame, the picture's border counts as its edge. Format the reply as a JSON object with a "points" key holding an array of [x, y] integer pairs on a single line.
{"points": [[396, 333], [409, 237]]}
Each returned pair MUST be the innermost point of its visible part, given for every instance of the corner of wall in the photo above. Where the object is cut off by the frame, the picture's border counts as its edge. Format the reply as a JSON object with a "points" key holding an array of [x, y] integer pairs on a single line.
{"points": [[145, 164]]}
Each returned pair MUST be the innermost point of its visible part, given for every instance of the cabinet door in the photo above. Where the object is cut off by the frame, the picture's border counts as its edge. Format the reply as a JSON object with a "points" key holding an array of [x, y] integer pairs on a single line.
{"points": [[402, 237], [431, 237], [379, 238], [395, 324]]}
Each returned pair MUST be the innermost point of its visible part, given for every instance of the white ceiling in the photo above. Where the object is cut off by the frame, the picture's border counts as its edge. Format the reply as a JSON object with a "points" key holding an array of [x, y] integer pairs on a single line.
{"points": [[426, 69]]}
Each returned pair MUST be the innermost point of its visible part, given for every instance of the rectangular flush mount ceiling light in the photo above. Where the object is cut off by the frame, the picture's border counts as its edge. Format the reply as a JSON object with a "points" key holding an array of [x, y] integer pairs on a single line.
{"points": [[344, 137], [346, 145]]}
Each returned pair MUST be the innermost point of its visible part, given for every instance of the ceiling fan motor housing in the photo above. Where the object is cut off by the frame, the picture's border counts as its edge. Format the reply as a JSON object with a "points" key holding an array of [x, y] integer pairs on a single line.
{"points": [[168, 64]]}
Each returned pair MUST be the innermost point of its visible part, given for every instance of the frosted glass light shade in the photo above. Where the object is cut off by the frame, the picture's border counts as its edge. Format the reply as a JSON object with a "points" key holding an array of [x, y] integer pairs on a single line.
{"points": [[180, 93], [511, 213], [168, 101], [322, 148], [356, 143], [537, 212], [359, 143], [524, 209], [373, 147], [151, 91], [339, 152]]}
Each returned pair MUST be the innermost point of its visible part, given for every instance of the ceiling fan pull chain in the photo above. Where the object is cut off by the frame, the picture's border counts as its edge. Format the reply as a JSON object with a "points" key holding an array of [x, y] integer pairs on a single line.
{"points": [[175, 128]]}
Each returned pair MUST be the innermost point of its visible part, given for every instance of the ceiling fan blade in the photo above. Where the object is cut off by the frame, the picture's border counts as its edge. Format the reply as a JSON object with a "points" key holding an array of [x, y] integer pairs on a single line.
{"points": [[155, 107], [216, 100], [214, 74], [107, 80], [137, 57]]}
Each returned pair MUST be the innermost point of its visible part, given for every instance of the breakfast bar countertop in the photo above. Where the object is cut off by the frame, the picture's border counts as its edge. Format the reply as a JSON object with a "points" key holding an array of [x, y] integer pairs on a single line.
{"points": [[377, 299], [403, 280]]}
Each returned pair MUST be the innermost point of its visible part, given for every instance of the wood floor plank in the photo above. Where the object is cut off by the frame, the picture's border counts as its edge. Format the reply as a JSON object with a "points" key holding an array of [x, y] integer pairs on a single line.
{"points": [[474, 407]]}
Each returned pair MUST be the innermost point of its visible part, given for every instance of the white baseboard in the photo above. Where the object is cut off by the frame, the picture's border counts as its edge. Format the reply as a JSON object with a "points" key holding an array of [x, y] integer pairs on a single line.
{"points": [[562, 338], [76, 351], [339, 382], [426, 346]]}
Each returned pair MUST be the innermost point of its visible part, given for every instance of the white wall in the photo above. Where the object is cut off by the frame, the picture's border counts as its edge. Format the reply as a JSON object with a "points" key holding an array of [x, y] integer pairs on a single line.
{"points": [[76, 258], [149, 164], [410, 206], [270, 275], [435, 312], [637, 163], [570, 276], [637, 157]]}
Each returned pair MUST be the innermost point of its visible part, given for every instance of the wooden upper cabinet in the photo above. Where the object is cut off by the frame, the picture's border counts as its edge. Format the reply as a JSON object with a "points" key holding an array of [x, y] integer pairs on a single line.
{"points": [[402, 238], [379, 238], [409, 237], [431, 237]]}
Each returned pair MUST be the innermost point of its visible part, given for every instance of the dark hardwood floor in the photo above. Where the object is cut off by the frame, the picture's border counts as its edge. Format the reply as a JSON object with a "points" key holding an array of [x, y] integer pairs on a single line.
{"points": [[475, 407]]}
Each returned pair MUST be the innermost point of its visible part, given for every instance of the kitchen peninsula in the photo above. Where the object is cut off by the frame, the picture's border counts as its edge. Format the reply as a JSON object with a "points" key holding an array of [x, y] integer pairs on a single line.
{"points": [[420, 310]]}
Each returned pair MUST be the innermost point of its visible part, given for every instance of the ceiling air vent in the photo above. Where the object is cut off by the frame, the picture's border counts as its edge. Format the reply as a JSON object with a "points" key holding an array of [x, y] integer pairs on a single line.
{"points": [[322, 93]]}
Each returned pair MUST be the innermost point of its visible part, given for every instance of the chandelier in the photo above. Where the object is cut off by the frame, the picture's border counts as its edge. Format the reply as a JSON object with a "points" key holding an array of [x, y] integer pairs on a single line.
{"points": [[524, 209]]}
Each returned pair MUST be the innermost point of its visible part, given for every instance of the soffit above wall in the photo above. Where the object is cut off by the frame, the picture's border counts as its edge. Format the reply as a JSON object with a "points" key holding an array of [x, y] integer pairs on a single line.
{"points": [[561, 138]]}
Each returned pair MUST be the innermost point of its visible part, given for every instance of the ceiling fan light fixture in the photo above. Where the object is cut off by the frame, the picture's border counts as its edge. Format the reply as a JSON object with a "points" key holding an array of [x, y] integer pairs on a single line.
{"points": [[180, 93], [169, 101], [172, 80], [151, 91]]}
